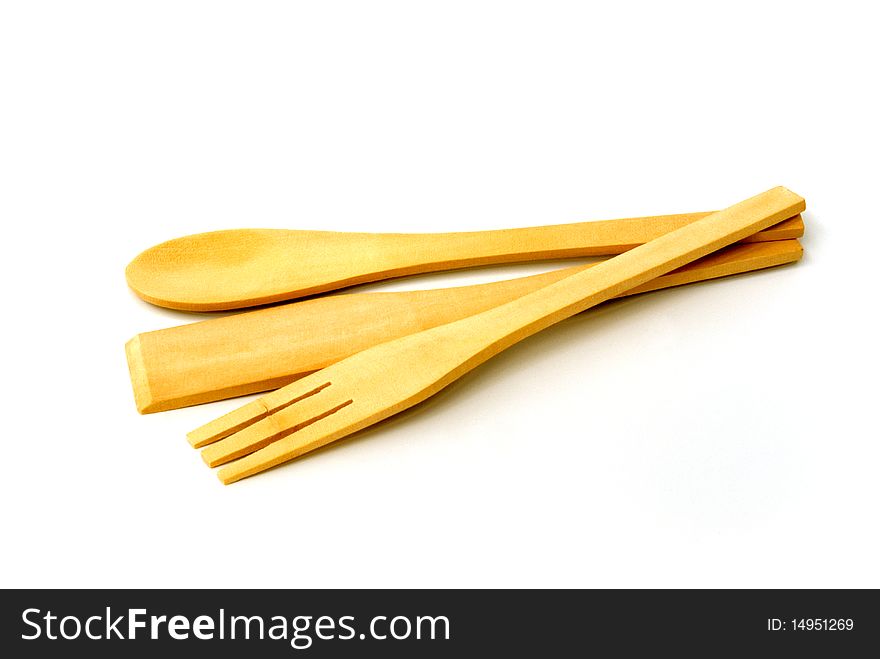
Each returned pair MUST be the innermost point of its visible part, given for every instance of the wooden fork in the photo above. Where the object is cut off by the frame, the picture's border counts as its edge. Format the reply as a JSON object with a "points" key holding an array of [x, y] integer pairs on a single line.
{"points": [[390, 377]]}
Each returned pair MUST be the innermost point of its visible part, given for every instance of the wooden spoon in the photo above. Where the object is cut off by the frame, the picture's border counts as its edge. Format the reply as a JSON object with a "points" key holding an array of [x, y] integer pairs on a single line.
{"points": [[247, 267]]}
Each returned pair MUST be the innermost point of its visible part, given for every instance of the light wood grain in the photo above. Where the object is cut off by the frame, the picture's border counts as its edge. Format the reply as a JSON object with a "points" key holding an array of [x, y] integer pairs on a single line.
{"points": [[247, 267], [268, 348], [390, 377]]}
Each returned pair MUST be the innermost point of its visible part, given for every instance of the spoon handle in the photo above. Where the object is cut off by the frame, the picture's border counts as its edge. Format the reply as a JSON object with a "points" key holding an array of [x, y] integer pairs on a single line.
{"points": [[600, 238]]}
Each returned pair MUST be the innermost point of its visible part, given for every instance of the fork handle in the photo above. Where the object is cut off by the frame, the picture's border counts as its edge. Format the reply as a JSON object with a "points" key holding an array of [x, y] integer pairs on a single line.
{"points": [[492, 331]]}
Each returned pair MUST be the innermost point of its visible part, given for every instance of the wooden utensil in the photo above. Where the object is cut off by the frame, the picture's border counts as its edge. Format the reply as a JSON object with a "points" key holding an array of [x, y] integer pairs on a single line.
{"points": [[390, 377], [269, 348], [248, 267]]}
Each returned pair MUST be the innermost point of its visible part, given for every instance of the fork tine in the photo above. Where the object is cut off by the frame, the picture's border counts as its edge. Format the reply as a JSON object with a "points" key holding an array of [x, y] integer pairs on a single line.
{"points": [[288, 420], [251, 413], [330, 427], [227, 424]]}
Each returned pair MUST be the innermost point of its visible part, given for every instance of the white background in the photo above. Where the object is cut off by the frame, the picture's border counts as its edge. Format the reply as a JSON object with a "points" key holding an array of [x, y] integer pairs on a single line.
{"points": [[722, 434]]}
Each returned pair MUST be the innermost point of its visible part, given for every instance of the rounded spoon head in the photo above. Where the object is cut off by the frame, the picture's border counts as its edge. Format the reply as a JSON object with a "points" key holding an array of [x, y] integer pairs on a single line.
{"points": [[216, 270]]}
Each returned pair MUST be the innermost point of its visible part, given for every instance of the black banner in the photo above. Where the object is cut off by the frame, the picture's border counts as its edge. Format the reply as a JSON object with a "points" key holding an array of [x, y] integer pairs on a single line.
{"points": [[290, 623]]}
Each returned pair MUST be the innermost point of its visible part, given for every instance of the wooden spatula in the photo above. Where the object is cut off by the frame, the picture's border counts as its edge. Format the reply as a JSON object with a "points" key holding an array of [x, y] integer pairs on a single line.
{"points": [[390, 377], [248, 267], [269, 348]]}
